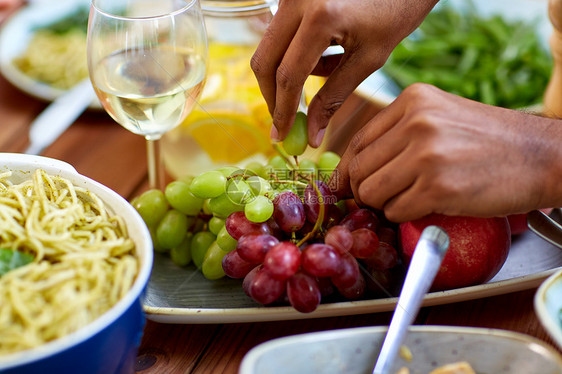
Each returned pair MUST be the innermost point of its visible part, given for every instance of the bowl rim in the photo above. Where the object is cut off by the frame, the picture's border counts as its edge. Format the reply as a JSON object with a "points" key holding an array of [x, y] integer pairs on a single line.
{"points": [[143, 245], [552, 327], [252, 357]]}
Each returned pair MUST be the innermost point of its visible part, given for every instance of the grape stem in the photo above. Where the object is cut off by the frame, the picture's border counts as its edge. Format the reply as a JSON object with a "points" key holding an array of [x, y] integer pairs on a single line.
{"points": [[284, 156], [297, 183], [239, 175], [319, 220]]}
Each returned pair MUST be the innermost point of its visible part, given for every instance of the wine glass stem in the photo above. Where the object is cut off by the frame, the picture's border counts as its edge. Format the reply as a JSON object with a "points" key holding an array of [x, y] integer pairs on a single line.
{"points": [[155, 169]]}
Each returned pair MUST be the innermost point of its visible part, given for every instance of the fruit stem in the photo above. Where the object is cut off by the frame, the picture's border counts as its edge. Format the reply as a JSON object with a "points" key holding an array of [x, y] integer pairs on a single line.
{"points": [[284, 156], [297, 183], [239, 175], [319, 219]]}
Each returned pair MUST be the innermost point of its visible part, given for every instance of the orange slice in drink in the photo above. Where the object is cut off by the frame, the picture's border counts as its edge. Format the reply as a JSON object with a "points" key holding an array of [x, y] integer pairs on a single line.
{"points": [[228, 136]]}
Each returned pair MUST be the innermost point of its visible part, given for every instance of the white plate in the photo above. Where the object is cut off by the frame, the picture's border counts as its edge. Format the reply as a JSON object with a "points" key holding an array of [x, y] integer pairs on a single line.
{"points": [[16, 34], [548, 306], [183, 295], [377, 88], [354, 351]]}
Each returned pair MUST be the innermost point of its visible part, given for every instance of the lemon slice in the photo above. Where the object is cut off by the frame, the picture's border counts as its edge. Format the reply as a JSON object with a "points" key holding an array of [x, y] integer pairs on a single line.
{"points": [[228, 136]]}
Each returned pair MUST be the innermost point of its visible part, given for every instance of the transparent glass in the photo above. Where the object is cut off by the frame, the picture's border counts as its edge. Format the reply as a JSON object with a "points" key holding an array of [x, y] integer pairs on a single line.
{"points": [[231, 126], [148, 64]]}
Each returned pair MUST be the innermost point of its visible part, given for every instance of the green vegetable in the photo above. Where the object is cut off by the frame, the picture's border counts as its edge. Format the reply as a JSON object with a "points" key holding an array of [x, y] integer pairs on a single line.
{"points": [[488, 59], [77, 20], [10, 260]]}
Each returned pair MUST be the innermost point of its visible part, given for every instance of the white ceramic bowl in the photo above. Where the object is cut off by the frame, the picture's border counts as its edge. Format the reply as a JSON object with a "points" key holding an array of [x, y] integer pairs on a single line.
{"points": [[108, 344], [548, 306], [354, 351]]}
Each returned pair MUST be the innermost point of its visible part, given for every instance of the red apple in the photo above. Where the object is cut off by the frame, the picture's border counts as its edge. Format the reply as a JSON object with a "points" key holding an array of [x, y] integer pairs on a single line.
{"points": [[478, 248], [518, 222]]}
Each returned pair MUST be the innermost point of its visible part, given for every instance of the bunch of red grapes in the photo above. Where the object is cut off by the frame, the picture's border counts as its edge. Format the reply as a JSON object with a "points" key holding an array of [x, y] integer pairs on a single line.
{"points": [[309, 250]]}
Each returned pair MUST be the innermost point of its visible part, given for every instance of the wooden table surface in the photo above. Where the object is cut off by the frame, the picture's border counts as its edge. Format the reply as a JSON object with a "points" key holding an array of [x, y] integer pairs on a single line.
{"points": [[102, 150]]}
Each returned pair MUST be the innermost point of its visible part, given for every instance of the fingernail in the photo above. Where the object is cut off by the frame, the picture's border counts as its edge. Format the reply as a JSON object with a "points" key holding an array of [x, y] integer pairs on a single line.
{"points": [[274, 133], [319, 137]]}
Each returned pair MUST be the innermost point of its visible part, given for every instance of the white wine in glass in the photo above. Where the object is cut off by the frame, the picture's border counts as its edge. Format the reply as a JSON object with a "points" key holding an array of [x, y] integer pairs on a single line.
{"points": [[147, 61]]}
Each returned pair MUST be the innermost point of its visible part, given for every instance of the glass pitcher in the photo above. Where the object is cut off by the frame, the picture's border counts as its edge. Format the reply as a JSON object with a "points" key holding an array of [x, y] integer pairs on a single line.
{"points": [[231, 125]]}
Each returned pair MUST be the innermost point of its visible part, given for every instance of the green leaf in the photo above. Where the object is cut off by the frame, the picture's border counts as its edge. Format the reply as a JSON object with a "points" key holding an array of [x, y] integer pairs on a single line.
{"points": [[78, 20], [10, 260]]}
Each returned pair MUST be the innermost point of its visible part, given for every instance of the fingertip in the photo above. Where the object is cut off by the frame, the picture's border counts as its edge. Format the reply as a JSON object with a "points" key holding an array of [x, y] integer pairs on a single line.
{"points": [[274, 134], [318, 138], [316, 124]]}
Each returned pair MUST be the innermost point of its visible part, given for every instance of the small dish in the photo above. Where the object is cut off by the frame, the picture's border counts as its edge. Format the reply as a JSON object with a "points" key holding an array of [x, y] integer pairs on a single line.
{"points": [[354, 351], [548, 306]]}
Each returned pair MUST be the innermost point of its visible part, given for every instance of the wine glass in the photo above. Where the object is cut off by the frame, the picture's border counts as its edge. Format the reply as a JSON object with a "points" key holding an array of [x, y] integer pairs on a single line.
{"points": [[147, 61]]}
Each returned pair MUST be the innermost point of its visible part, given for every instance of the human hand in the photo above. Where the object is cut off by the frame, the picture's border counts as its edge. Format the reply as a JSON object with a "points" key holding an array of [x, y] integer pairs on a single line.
{"points": [[8, 3], [6, 6], [300, 32], [434, 152]]}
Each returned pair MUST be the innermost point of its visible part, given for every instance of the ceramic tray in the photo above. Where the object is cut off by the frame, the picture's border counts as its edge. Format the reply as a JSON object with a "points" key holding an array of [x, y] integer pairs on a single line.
{"points": [[183, 295]]}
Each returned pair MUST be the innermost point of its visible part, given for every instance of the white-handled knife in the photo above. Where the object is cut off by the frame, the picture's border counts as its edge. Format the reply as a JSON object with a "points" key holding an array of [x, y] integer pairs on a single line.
{"points": [[58, 116]]}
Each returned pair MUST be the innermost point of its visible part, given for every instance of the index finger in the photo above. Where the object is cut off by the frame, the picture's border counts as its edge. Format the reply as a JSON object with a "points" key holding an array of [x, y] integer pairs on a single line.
{"points": [[301, 58], [271, 49], [340, 182]]}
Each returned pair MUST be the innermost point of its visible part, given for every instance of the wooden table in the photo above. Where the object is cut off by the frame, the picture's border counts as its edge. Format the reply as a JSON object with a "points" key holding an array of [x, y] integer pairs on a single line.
{"points": [[100, 149]]}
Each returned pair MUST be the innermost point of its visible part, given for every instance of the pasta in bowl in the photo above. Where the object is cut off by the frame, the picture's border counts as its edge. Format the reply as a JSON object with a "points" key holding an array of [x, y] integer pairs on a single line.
{"points": [[73, 304]]}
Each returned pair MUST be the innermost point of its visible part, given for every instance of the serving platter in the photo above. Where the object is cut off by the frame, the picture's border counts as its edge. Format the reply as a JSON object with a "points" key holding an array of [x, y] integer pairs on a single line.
{"points": [[183, 295]]}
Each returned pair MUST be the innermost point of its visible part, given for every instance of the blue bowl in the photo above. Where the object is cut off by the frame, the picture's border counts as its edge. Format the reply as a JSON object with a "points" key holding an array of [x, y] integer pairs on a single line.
{"points": [[109, 344]]}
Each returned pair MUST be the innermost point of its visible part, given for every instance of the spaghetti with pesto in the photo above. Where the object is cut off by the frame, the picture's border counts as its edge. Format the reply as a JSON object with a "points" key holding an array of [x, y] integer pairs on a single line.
{"points": [[84, 261]]}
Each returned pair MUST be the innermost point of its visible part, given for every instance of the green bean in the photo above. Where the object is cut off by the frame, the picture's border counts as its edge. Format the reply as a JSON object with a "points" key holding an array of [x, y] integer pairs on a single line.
{"points": [[488, 59]]}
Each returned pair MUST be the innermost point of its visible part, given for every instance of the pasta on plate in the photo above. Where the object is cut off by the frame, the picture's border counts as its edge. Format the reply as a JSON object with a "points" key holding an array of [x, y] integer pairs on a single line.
{"points": [[55, 59], [84, 261]]}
